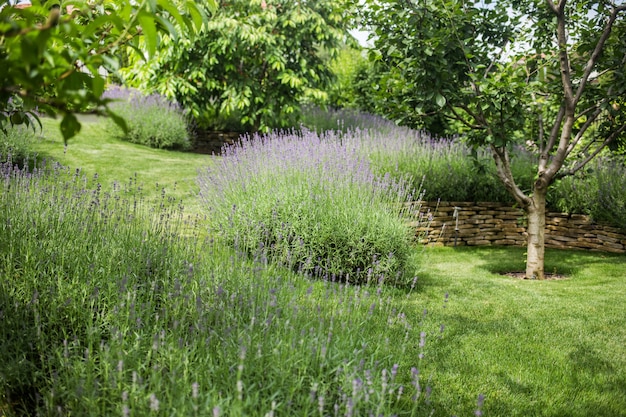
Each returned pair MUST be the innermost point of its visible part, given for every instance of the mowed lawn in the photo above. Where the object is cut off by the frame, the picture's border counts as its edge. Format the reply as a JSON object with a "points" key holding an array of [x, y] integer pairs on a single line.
{"points": [[532, 348], [94, 151]]}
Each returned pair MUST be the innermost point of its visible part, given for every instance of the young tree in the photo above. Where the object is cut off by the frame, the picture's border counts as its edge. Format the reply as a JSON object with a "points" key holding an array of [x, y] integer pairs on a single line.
{"points": [[255, 60], [55, 59], [548, 75]]}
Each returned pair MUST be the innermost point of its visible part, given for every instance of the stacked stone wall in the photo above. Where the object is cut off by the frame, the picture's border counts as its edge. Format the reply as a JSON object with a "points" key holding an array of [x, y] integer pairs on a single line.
{"points": [[477, 224], [211, 142]]}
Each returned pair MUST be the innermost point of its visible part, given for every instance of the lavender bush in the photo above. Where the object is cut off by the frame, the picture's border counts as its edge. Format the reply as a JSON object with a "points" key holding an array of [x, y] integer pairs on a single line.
{"points": [[107, 310], [16, 144], [600, 192], [152, 120], [342, 120], [312, 203], [444, 168]]}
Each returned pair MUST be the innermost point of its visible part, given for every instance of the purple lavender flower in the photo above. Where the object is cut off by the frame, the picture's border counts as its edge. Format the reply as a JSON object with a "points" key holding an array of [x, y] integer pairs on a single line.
{"points": [[154, 403]]}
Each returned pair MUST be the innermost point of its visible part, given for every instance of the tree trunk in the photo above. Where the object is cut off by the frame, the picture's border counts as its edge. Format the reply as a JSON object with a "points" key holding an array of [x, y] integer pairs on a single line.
{"points": [[536, 234]]}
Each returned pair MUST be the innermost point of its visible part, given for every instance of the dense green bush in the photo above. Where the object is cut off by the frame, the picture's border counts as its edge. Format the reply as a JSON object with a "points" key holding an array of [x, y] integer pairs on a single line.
{"points": [[312, 203], [152, 120], [106, 309], [15, 143]]}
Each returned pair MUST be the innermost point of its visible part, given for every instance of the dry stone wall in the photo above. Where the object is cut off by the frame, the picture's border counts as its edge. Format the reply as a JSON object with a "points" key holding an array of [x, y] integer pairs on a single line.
{"points": [[475, 224], [211, 142]]}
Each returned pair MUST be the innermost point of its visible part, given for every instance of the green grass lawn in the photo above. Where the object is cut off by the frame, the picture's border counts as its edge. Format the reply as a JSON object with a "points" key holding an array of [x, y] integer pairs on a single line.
{"points": [[94, 151], [532, 348]]}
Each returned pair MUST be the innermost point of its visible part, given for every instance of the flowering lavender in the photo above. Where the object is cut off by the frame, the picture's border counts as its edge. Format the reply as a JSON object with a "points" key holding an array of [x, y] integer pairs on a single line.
{"points": [[152, 120], [312, 202], [140, 320]]}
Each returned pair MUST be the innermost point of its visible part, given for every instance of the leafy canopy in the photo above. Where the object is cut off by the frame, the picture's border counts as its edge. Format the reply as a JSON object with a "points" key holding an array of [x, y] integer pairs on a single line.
{"points": [[254, 62], [493, 69], [56, 60]]}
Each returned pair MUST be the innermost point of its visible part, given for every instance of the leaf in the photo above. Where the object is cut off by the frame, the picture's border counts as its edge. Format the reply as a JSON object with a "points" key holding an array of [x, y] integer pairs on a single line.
{"points": [[169, 26], [118, 120], [149, 30], [97, 85], [196, 14], [70, 126], [440, 100]]}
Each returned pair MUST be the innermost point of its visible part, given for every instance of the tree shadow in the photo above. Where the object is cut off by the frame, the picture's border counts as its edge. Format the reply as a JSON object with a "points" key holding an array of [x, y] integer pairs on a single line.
{"points": [[502, 260]]}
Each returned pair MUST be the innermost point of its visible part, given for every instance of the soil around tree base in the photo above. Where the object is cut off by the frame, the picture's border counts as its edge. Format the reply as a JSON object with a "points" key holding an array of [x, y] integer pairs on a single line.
{"points": [[522, 275]]}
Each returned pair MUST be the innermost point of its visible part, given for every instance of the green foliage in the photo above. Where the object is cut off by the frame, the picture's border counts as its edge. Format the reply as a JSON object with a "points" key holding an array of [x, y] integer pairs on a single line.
{"points": [[256, 59], [313, 204], [16, 144], [55, 60], [600, 192], [108, 310], [349, 62], [150, 120]]}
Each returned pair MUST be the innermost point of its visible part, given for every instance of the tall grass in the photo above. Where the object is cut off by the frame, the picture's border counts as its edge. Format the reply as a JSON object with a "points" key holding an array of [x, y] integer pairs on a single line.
{"points": [[312, 203], [107, 310]]}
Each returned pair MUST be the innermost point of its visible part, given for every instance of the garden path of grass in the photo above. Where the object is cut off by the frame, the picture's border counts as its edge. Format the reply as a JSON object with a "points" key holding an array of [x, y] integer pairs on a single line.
{"points": [[533, 348]]}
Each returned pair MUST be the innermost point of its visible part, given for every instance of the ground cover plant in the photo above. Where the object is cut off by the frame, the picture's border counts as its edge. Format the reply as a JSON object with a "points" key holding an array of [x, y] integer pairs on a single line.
{"points": [[313, 203], [152, 120]]}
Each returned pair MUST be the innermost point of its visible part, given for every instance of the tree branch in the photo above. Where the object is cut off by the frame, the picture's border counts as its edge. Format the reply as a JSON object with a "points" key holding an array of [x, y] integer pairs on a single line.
{"points": [[503, 168], [458, 117], [554, 133], [597, 51], [582, 131], [590, 157]]}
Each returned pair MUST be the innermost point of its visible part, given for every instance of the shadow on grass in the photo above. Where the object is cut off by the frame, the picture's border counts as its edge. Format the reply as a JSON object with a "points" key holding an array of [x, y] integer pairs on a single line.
{"points": [[592, 385], [500, 260]]}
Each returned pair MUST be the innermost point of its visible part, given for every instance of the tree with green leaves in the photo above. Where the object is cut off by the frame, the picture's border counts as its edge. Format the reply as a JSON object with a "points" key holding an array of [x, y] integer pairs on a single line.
{"points": [[550, 76], [56, 59], [254, 61]]}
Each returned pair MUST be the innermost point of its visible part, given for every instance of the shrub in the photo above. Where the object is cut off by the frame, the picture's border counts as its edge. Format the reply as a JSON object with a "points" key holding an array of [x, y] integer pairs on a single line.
{"points": [[152, 120], [445, 168], [342, 120], [107, 310], [312, 203], [15, 144], [599, 192]]}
